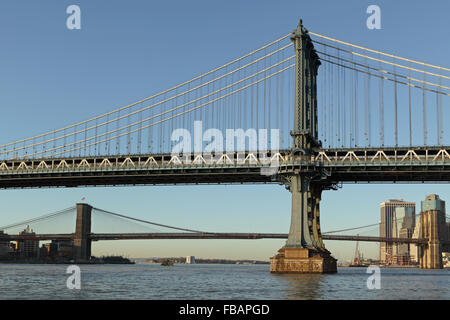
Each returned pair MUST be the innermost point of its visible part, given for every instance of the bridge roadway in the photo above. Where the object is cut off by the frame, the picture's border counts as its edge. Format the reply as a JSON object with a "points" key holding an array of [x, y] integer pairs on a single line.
{"points": [[183, 235], [415, 164]]}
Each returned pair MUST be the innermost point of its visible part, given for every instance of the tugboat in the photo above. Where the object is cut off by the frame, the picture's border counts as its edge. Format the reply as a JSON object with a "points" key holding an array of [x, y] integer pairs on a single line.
{"points": [[167, 263]]}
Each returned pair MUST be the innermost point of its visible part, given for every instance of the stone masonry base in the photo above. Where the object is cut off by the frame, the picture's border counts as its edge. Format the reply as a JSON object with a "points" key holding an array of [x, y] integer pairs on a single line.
{"points": [[302, 260]]}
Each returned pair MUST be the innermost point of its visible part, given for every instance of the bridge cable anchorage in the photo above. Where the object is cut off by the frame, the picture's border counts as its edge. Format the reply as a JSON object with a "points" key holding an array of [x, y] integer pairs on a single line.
{"points": [[379, 52], [152, 223], [40, 218]]}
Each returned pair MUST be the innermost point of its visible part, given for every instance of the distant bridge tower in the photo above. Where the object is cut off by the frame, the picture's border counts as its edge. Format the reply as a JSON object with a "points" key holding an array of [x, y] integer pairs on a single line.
{"points": [[82, 241], [434, 228], [304, 251]]}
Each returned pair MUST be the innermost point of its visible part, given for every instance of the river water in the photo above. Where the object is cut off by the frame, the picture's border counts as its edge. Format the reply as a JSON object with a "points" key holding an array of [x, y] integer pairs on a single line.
{"points": [[213, 281]]}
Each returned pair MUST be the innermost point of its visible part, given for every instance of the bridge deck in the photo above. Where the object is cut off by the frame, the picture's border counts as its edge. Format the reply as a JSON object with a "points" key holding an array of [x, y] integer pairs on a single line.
{"points": [[419, 164], [224, 235]]}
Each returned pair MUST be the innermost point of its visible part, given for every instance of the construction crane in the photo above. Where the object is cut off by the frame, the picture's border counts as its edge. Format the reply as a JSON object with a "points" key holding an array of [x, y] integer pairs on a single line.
{"points": [[357, 259]]}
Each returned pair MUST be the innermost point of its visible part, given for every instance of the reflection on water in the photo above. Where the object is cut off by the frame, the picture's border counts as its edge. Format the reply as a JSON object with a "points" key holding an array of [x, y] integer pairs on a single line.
{"points": [[147, 281], [301, 286]]}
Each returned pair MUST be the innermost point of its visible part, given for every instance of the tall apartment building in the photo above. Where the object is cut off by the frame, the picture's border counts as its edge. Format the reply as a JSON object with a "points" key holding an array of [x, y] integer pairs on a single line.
{"points": [[389, 226], [403, 227], [4, 247], [28, 248], [190, 260]]}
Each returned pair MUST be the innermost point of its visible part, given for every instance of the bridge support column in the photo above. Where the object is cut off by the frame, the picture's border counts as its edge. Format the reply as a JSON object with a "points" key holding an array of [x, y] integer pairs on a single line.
{"points": [[432, 227], [304, 251], [82, 241]]}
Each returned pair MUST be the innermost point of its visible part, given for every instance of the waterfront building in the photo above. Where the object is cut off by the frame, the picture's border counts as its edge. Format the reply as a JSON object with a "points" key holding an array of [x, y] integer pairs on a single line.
{"points": [[389, 226], [402, 227], [28, 248], [64, 248], [414, 248], [190, 260], [43, 251], [51, 249], [4, 246], [446, 259]]}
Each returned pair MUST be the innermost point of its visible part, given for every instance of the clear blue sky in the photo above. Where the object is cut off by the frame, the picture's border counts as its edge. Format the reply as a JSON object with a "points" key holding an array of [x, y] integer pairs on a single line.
{"points": [[127, 50]]}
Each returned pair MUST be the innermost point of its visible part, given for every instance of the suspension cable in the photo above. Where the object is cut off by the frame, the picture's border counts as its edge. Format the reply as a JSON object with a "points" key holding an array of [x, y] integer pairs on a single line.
{"points": [[386, 78], [136, 111], [179, 114], [383, 61], [379, 52], [160, 114], [47, 216], [383, 71], [149, 222], [153, 96]]}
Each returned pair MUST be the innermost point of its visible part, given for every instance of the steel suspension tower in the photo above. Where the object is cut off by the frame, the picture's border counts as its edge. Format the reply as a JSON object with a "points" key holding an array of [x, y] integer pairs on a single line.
{"points": [[304, 251]]}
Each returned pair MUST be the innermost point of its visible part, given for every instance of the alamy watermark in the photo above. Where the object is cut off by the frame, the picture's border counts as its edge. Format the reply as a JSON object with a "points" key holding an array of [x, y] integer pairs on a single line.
{"points": [[374, 281], [74, 20], [236, 146], [374, 20], [74, 280]]}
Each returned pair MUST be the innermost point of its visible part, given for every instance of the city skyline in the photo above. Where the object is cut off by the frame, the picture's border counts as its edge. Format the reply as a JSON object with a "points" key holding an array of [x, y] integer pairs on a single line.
{"points": [[247, 249]]}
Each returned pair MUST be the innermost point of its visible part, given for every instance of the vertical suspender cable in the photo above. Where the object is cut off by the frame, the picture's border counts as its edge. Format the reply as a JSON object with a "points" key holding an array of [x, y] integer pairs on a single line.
{"points": [[381, 110], [366, 111], [369, 108], [344, 136], [439, 116], [352, 122], [339, 106], [332, 107], [424, 104], [356, 109], [410, 111], [395, 109]]}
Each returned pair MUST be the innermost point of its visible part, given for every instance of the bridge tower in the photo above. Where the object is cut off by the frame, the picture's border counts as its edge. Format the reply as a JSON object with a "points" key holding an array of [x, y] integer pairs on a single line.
{"points": [[433, 228], [304, 251], [81, 240]]}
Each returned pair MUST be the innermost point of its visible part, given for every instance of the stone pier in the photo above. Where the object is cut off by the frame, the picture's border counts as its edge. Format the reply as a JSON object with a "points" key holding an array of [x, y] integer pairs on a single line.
{"points": [[304, 251], [81, 240], [433, 227]]}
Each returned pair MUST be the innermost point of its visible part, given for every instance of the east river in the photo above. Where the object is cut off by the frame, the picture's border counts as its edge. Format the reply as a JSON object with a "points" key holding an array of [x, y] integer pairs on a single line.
{"points": [[215, 281]]}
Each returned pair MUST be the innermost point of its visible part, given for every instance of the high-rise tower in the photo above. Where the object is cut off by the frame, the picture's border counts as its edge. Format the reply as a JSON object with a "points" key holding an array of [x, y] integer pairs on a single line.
{"points": [[388, 219]]}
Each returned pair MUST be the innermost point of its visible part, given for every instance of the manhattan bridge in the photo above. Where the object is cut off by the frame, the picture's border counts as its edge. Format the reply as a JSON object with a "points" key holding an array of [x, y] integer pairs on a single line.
{"points": [[306, 111]]}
